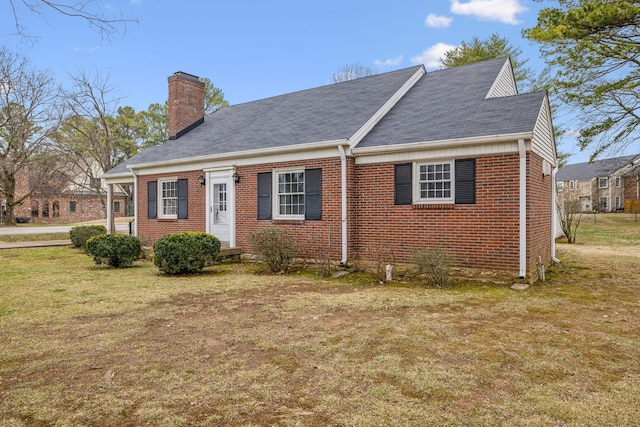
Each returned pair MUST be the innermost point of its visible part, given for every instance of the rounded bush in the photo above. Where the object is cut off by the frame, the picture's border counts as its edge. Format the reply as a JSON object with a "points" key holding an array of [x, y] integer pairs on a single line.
{"points": [[115, 250], [185, 252], [80, 234]]}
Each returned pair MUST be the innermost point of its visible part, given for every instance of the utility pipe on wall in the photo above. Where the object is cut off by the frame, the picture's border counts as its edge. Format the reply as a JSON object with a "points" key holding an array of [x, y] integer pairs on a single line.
{"points": [[523, 208], [343, 184], [554, 215]]}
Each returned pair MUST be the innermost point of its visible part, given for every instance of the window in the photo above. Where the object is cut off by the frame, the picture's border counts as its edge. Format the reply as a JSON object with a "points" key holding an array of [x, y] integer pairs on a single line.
{"points": [[442, 182], [56, 209], [290, 194], [603, 182], [560, 186], [603, 204], [72, 206], [572, 185], [617, 181], [167, 198], [95, 183], [289, 190], [116, 207], [618, 204], [434, 182]]}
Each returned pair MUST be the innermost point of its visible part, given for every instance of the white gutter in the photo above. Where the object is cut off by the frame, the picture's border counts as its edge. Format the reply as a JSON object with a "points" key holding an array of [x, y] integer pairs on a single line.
{"points": [[554, 215], [412, 146], [343, 184], [523, 208]]}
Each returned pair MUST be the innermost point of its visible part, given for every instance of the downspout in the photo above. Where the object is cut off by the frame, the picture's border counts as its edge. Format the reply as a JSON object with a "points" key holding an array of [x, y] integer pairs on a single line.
{"points": [[554, 215], [110, 227], [343, 184], [135, 203], [523, 208]]}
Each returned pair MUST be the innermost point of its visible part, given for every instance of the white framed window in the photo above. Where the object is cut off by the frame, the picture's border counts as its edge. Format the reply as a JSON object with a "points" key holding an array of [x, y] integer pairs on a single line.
{"points": [[604, 203], [168, 198], [603, 182], [617, 181], [289, 194], [572, 185], [618, 203], [560, 186], [435, 182]]}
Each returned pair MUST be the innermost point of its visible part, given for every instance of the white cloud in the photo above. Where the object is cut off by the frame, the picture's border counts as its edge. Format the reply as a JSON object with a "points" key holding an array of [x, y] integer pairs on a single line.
{"points": [[436, 21], [490, 10], [431, 57], [392, 62]]}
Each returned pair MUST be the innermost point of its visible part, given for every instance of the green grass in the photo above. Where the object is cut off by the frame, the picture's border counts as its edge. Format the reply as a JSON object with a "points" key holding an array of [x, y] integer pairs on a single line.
{"points": [[9, 238], [89, 345], [617, 229]]}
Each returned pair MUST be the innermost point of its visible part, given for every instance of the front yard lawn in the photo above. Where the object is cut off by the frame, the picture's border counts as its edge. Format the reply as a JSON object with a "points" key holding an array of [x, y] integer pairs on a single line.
{"points": [[88, 345]]}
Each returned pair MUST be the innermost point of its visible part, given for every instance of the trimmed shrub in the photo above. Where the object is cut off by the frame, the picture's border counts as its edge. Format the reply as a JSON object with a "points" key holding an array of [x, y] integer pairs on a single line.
{"points": [[185, 252], [80, 234], [115, 250], [275, 247]]}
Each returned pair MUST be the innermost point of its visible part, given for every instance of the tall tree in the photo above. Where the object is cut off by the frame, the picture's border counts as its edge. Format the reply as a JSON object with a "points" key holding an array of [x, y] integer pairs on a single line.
{"points": [[97, 135], [29, 115], [494, 47], [213, 97], [88, 10], [593, 49], [352, 71]]}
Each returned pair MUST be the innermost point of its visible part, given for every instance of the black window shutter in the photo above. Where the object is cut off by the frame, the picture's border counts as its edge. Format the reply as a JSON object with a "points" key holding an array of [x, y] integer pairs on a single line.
{"points": [[402, 184], [264, 195], [313, 194], [183, 199], [152, 195], [465, 181]]}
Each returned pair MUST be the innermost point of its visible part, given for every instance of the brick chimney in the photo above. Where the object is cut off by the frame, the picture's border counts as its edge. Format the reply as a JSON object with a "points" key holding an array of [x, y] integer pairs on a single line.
{"points": [[186, 103]]}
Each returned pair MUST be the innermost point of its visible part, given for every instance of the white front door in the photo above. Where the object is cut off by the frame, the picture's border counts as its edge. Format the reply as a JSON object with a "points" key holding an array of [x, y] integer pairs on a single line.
{"points": [[221, 208]]}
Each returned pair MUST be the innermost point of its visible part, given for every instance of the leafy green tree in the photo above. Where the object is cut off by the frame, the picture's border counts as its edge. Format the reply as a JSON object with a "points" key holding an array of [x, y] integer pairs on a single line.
{"points": [[213, 97], [593, 50], [494, 47], [30, 114]]}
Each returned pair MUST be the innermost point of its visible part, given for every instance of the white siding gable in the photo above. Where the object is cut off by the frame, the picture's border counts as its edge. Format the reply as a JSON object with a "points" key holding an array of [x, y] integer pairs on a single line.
{"points": [[543, 142], [504, 84]]}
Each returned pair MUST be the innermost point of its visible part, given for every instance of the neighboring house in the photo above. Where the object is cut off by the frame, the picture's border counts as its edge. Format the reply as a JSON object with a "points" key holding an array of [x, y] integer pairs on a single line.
{"points": [[78, 200], [454, 159], [603, 185]]}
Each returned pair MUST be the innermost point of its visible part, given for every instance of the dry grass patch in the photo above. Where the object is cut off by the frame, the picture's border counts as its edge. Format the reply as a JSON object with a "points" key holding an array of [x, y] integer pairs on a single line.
{"points": [[85, 345]]}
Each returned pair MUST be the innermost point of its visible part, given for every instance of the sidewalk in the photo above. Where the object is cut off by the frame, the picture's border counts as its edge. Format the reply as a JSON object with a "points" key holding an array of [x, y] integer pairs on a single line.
{"points": [[42, 244]]}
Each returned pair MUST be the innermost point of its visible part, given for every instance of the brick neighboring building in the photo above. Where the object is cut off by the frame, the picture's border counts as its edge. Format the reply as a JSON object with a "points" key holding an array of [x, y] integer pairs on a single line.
{"points": [[72, 205], [454, 159]]}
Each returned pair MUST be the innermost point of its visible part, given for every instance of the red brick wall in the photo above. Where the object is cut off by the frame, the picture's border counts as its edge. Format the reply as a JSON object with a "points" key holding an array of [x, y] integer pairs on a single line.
{"points": [[151, 229], [482, 235], [186, 102], [88, 208], [315, 238], [539, 219]]}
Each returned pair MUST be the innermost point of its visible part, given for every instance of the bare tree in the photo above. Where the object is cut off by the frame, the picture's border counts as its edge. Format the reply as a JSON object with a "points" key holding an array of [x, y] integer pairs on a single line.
{"points": [[29, 115], [97, 135], [87, 10], [352, 71], [569, 209]]}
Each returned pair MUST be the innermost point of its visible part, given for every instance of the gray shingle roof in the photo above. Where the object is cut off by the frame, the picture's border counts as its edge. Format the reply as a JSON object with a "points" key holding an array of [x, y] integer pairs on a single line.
{"points": [[599, 168], [442, 105], [324, 113], [451, 103]]}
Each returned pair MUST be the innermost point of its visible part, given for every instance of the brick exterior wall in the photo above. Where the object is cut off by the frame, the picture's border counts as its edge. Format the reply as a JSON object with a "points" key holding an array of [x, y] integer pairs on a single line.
{"points": [[481, 235], [186, 102], [149, 230], [88, 208]]}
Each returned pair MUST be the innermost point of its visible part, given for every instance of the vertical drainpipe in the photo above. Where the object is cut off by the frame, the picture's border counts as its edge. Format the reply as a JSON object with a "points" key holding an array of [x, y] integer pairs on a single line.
{"points": [[523, 208], [343, 214], [135, 203], [110, 230], [554, 215]]}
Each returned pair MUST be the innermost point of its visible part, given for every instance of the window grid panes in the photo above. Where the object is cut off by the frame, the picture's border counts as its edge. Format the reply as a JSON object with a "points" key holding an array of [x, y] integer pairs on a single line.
{"points": [[435, 181], [169, 196], [603, 183], [221, 197], [291, 193]]}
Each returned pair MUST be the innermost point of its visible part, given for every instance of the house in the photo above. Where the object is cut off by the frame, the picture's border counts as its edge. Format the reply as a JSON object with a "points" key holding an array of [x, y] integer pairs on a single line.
{"points": [[602, 185], [454, 159], [74, 197]]}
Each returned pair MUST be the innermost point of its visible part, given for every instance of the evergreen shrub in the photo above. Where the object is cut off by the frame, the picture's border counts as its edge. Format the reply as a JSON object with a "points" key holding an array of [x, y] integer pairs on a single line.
{"points": [[185, 252], [115, 250], [80, 234]]}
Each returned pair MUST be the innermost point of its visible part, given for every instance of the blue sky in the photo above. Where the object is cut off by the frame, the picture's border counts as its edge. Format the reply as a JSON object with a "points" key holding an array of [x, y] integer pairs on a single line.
{"points": [[256, 49]]}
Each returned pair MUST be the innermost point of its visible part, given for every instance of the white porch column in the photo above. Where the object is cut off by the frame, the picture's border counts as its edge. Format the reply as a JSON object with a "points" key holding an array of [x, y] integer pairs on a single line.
{"points": [[111, 229]]}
